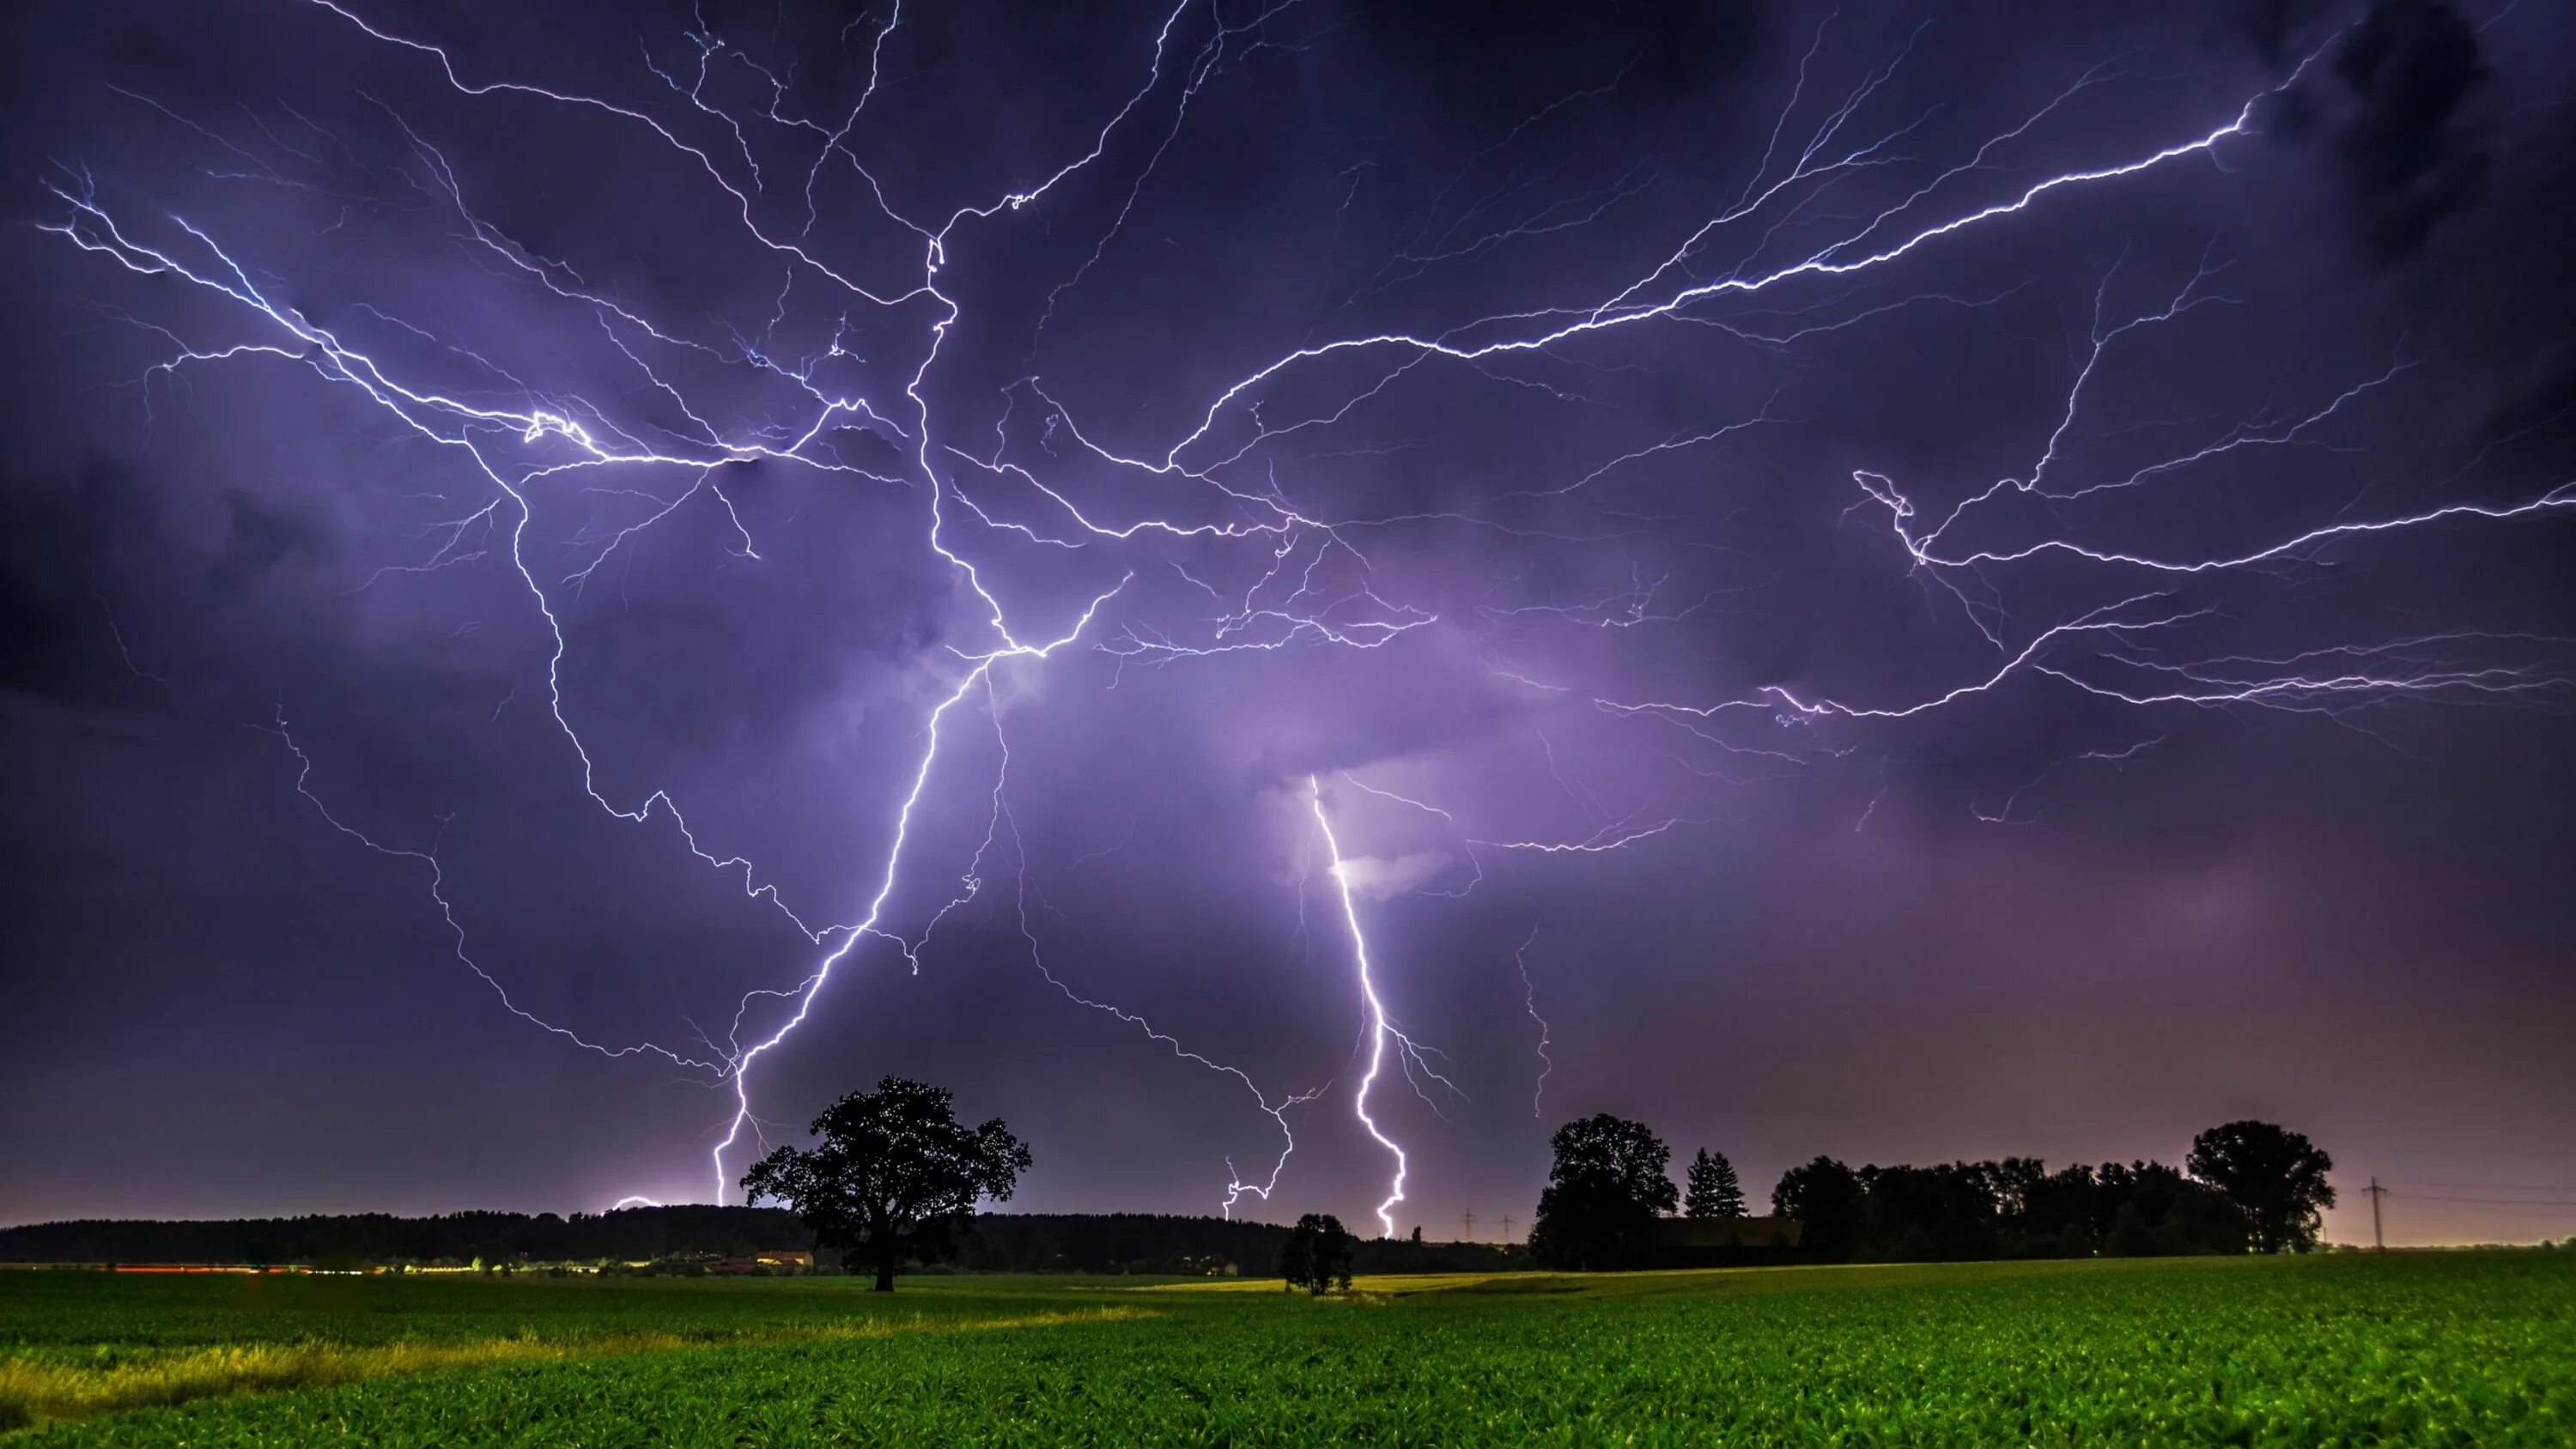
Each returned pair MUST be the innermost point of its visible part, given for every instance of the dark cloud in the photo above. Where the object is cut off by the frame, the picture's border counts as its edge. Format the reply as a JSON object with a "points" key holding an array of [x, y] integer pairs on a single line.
{"points": [[56, 547], [258, 538], [1493, 64], [2276, 26], [2411, 153]]}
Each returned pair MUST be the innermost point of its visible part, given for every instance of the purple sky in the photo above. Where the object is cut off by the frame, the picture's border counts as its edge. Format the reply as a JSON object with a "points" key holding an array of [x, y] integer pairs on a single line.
{"points": [[1915, 589]]}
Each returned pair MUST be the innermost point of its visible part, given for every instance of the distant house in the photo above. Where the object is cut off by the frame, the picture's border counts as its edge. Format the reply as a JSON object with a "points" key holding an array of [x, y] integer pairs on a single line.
{"points": [[1723, 1242]]}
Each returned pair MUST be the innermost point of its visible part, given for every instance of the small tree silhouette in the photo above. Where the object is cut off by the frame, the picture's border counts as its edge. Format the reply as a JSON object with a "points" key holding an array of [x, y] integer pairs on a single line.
{"points": [[1712, 1191], [1317, 1255]]}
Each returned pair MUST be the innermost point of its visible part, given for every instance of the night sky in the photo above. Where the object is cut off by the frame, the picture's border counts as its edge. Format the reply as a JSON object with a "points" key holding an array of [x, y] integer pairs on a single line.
{"points": [[1914, 587]]}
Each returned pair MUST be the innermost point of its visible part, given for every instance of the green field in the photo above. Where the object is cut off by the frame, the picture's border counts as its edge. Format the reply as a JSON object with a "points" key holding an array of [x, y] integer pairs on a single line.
{"points": [[2416, 1349]]}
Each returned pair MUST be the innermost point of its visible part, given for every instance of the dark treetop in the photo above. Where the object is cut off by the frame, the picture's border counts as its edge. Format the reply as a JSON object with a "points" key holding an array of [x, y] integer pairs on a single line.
{"points": [[1603, 1195]]}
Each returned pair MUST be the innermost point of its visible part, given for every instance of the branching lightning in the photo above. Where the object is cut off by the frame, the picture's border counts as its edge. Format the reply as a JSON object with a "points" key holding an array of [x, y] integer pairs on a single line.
{"points": [[1266, 569], [1529, 1001]]}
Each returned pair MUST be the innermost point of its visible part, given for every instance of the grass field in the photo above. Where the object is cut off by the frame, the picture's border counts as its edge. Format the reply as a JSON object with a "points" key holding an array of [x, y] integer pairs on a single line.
{"points": [[2416, 1349]]}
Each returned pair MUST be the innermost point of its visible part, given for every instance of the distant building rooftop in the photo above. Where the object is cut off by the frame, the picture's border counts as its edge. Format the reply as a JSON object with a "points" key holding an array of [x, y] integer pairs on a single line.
{"points": [[1727, 1232]]}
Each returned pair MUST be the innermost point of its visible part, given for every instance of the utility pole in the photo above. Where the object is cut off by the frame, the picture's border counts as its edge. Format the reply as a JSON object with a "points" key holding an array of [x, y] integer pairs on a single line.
{"points": [[1467, 1224], [1507, 1230], [2378, 1244]]}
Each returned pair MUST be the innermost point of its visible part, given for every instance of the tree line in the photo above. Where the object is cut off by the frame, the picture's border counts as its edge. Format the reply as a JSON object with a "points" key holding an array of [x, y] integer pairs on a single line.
{"points": [[449, 1239], [2245, 1187], [894, 1179], [1102, 1243]]}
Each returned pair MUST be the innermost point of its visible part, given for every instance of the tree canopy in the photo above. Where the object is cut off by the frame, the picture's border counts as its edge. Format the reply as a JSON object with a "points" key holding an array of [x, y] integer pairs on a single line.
{"points": [[1825, 1196], [1712, 1188], [894, 1176], [2277, 1177], [2015, 1208], [1606, 1189], [1317, 1255]]}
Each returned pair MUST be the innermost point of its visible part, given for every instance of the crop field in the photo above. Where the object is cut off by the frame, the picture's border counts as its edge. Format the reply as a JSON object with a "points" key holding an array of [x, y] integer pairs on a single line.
{"points": [[2417, 1349]]}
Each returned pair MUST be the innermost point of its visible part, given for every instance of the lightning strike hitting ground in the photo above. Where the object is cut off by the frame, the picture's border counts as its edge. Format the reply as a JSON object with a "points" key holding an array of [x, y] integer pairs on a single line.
{"points": [[1377, 1029]]}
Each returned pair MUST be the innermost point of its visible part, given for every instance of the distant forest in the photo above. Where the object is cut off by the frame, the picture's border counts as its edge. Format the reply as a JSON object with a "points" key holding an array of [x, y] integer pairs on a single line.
{"points": [[1963, 1210], [999, 1243], [2014, 1208]]}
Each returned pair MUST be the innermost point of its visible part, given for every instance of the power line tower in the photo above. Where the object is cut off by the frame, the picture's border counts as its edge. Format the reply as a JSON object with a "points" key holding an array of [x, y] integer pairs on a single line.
{"points": [[1467, 1225], [1507, 1230], [2378, 1244]]}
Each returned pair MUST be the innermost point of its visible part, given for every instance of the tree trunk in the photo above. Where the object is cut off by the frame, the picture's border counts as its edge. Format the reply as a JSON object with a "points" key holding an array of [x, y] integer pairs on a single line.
{"points": [[885, 1268]]}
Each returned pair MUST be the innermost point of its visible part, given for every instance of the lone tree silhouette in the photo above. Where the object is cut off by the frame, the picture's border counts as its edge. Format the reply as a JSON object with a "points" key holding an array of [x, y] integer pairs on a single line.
{"points": [[1317, 1255], [895, 1175], [1603, 1195], [2278, 1177], [1712, 1190]]}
